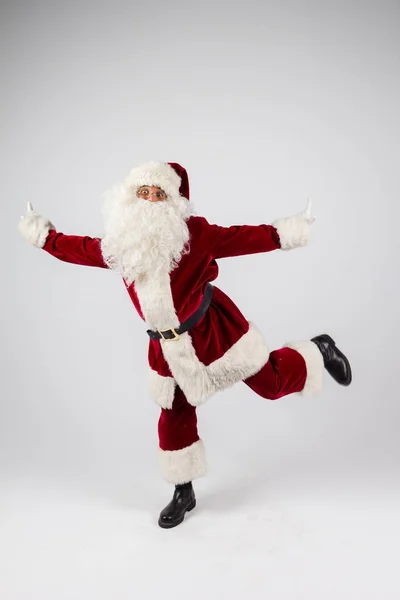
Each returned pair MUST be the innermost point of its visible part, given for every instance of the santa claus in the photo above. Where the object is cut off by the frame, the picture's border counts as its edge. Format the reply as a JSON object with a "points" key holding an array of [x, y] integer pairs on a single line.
{"points": [[199, 341]]}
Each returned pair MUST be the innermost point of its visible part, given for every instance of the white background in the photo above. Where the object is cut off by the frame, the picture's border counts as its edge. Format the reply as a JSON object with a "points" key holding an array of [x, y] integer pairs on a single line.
{"points": [[266, 105]]}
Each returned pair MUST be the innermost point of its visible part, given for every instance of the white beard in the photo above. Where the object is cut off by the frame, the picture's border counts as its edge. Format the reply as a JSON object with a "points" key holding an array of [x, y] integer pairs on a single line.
{"points": [[143, 237]]}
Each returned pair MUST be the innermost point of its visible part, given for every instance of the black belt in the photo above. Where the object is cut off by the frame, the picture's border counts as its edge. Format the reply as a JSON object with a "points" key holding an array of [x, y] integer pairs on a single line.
{"points": [[173, 334]]}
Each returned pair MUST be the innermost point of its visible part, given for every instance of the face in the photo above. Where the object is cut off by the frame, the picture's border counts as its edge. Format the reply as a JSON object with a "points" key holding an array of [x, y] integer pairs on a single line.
{"points": [[154, 194]]}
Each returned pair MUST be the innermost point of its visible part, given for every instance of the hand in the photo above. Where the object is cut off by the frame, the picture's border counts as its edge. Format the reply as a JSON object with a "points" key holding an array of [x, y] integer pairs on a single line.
{"points": [[29, 211], [307, 213], [294, 231], [34, 228]]}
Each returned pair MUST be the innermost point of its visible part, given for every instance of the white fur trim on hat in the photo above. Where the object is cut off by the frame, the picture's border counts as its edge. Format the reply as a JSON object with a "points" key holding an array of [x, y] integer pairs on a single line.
{"points": [[155, 174], [182, 466], [314, 365], [35, 228]]}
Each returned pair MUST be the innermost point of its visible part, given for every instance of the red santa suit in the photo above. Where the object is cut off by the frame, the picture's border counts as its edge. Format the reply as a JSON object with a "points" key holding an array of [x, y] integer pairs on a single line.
{"points": [[223, 348]]}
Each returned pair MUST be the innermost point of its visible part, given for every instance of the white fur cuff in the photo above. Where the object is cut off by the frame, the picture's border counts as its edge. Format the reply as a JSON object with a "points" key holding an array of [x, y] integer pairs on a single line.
{"points": [[182, 466], [314, 366], [35, 229], [293, 231]]}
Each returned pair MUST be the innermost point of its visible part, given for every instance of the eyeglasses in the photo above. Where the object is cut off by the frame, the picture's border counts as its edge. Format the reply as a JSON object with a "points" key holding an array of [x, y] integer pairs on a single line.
{"points": [[145, 193]]}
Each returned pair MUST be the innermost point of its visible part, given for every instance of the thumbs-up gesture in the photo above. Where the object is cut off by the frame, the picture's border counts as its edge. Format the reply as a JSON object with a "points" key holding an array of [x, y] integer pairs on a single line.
{"points": [[294, 231], [307, 213], [34, 228]]}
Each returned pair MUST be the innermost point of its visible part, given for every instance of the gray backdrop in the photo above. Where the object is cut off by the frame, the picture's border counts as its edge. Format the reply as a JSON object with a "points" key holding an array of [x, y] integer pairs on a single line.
{"points": [[266, 105]]}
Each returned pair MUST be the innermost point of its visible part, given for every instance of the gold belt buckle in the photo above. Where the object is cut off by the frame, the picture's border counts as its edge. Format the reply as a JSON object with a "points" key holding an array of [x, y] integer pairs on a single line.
{"points": [[176, 335]]}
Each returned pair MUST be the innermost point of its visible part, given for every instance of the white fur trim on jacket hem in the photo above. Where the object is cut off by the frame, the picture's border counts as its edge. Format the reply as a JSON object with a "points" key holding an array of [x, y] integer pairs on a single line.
{"points": [[182, 466], [162, 389], [293, 231], [198, 381], [314, 365], [35, 229]]}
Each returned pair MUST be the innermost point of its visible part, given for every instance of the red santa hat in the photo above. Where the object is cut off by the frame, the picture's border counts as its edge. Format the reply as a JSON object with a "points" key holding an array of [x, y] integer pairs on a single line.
{"points": [[171, 177]]}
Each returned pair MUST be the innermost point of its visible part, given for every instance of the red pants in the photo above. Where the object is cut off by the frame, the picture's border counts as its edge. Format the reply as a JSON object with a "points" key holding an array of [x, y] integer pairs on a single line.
{"points": [[182, 451]]}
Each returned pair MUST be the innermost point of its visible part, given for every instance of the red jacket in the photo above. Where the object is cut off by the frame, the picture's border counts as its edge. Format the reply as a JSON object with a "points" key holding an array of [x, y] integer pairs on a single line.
{"points": [[223, 348]]}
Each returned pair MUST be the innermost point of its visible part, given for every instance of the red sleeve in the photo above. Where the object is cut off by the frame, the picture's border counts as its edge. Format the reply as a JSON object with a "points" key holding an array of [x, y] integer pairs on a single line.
{"points": [[79, 250], [238, 240]]}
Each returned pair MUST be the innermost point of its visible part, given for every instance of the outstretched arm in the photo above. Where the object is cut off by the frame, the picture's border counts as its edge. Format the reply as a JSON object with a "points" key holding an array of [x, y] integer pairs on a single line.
{"points": [[237, 240], [79, 250]]}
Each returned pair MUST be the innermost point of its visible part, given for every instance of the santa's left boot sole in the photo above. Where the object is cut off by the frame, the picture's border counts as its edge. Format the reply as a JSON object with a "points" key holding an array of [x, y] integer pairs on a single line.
{"points": [[166, 525]]}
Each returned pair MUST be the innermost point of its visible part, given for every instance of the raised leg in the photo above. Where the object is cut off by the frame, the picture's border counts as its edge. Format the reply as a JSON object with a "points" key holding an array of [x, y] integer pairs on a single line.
{"points": [[296, 368]]}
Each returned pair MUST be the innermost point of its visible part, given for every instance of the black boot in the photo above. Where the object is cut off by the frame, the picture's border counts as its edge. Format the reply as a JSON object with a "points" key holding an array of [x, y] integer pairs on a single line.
{"points": [[183, 500], [335, 361]]}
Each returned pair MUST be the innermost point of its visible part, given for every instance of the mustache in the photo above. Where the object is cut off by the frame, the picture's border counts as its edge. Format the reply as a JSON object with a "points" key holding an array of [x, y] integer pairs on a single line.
{"points": [[143, 206]]}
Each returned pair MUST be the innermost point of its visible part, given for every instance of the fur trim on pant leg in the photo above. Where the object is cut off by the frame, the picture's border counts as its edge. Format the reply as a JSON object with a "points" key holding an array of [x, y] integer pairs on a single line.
{"points": [[181, 466], [314, 364]]}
